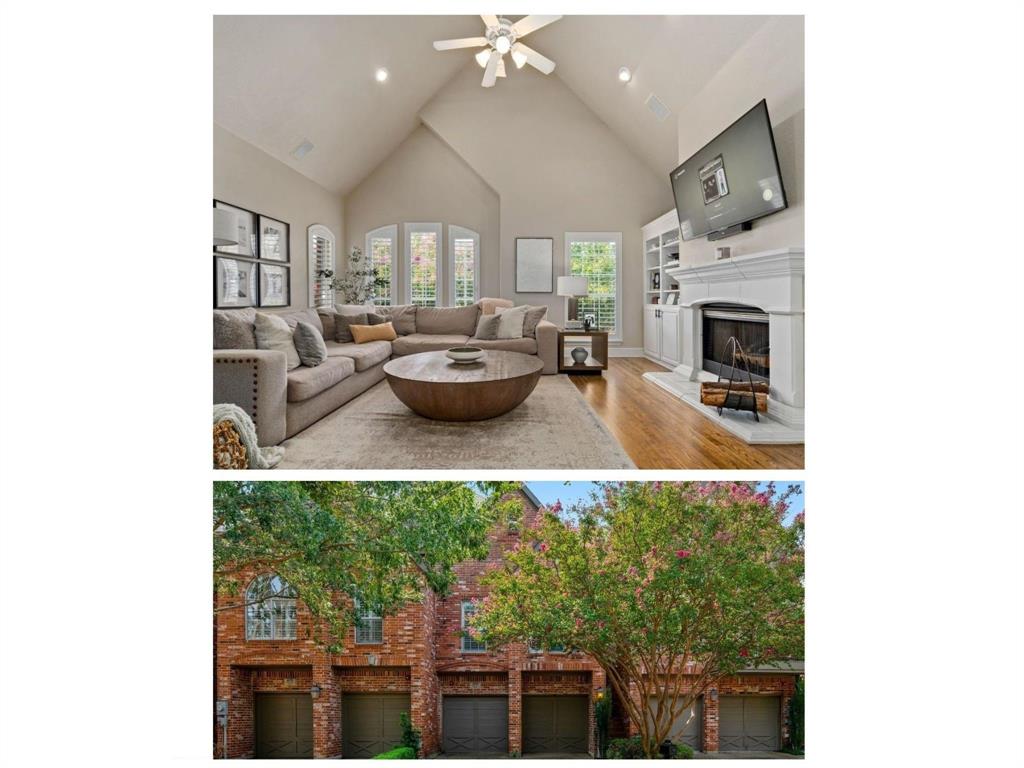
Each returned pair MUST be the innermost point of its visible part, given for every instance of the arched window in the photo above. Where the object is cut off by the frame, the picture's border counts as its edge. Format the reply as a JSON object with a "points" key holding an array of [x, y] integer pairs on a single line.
{"points": [[382, 253], [269, 609], [321, 260]]}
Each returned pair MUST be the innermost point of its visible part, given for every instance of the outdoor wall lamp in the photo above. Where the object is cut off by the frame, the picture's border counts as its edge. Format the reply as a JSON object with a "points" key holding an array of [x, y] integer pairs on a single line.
{"points": [[314, 691], [714, 694]]}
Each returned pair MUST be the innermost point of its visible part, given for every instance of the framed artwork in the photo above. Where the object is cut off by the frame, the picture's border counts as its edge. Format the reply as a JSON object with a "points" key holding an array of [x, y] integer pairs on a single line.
{"points": [[234, 282], [247, 241], [273, 239], [534, 265], [275, 285]]}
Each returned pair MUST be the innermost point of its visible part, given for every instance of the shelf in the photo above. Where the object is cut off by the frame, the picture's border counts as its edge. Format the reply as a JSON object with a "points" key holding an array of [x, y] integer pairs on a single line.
{"points": [[670, 264]]}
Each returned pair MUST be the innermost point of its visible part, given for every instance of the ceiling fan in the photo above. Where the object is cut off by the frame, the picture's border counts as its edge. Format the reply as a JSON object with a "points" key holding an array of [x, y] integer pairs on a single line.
{"points": [[501, 37]]}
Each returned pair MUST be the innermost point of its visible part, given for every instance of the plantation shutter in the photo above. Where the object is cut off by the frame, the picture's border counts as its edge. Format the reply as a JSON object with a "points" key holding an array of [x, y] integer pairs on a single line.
{"points": [[321, 257]]}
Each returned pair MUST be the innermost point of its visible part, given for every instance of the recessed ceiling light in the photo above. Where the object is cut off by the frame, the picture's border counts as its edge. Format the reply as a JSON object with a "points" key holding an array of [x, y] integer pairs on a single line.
{"points": [[625, 75], [302, 150], [381, 74]]}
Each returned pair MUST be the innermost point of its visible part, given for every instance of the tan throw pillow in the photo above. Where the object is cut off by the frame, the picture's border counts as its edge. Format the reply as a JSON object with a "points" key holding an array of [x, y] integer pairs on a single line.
{"points": [[272, 332], [379, 332], [533, 316], [510, 322]]}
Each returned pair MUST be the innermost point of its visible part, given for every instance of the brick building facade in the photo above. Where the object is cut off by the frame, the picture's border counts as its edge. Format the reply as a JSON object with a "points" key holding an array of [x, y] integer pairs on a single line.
{"points": [[293, 698]]}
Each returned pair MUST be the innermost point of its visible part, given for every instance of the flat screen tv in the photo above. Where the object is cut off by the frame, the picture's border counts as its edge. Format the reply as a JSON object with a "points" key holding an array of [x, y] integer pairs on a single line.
{"points": [[733, 180]]}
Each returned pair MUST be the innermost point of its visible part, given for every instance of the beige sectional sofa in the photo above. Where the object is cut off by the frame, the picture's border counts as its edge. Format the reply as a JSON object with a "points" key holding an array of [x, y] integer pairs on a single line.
{"points": [[283, 403]]}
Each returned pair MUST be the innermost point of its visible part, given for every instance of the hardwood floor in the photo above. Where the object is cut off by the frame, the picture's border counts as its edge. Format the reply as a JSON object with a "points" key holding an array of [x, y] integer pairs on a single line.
{"points": [[658, 431]]}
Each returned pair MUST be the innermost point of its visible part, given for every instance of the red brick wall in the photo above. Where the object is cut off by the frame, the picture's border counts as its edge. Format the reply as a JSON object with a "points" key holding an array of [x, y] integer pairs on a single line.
{"points": [[374, 679], [473, 683]]}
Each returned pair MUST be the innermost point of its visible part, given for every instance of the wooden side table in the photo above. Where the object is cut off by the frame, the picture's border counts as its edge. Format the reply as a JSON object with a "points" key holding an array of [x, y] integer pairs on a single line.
{"points": [[596, 362]]}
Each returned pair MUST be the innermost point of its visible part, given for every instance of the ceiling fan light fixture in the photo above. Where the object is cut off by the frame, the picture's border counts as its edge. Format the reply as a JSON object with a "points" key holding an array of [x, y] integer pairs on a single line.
{"points": [[625, 75], [519, 58], [502, 44], [482, 57]]}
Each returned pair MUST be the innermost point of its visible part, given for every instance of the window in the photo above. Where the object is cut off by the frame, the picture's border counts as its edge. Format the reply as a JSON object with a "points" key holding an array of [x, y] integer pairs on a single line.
{"points": [[470, 644], [321, 258], [369, 625], [597, 256], [270, 609], [381, 248], [423, 264], [535, 647], [463, 265]]}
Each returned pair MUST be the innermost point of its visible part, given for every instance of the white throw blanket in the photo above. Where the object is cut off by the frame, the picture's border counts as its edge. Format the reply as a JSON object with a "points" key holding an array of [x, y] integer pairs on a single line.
{"points": [[259, 458]]}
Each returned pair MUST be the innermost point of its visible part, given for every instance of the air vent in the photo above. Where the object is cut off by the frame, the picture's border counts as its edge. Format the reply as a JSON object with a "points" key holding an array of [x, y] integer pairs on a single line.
{"points": [[302, 150], [657, 107]]}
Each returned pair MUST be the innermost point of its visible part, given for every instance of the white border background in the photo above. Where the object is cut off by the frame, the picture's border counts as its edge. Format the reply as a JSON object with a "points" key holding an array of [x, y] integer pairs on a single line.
{"points": [[915, 518]]}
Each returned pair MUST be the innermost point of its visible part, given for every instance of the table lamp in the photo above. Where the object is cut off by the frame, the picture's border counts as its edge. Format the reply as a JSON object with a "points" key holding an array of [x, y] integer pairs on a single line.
{"points": [[575, 288]]}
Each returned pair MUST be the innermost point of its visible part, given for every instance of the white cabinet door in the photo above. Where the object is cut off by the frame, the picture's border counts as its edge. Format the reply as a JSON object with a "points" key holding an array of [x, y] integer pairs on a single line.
{"points": [[652, 332], [670, 350]]}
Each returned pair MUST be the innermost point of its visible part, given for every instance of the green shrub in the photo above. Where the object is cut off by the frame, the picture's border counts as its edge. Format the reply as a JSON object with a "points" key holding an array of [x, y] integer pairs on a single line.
{"points": [[684, 752], [602, 717], [795, 718], [398, 753], [626, 749], [411, 737]]}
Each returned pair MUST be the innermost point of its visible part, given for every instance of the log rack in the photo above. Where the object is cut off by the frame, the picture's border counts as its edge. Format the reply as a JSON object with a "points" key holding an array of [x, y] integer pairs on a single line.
{"points": [[736, 395]]}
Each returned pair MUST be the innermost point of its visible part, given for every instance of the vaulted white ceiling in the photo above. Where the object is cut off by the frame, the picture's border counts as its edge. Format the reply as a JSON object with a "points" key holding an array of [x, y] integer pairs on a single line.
{"points": [[281, 79]]}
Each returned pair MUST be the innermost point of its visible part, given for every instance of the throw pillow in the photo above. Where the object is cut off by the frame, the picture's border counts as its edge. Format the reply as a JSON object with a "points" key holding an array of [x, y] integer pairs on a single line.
{"points": [[309, 344], [327, 322], [380, 332], [232, 329], [487, 328], [533, 316], [510, 322], [341, 326], [272, 332], [403, 317], [372, 318]]}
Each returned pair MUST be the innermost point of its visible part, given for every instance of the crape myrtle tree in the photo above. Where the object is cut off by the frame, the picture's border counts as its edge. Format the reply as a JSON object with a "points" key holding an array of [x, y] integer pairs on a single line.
{"points": [[669, 586], [382, 543]]}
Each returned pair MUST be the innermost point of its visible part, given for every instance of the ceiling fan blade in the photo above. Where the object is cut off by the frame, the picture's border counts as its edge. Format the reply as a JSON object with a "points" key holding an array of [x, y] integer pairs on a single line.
{"points": [[501, 67], [534, 59], [491, 73], [490, 21], [462, 42], [528, 24]]}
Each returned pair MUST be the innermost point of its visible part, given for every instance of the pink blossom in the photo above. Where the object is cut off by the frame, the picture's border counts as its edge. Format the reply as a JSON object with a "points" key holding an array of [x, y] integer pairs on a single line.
{"points": [[557, 506], [579, 623], [682, 554], [744, 653], [543, 547], [632, 570]]}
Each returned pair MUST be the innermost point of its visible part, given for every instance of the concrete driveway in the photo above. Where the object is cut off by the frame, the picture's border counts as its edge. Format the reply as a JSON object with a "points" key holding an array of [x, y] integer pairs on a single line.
{"points": [[745, 756]]}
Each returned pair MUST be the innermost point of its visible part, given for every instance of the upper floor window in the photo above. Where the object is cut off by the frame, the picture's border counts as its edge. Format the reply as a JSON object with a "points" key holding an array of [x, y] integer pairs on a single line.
{"points": [[470, 644], [422, 264], [369, 625], [382, 250], [463, 265], [270, 609], [321, 261], [535, 647], [597, 256]]}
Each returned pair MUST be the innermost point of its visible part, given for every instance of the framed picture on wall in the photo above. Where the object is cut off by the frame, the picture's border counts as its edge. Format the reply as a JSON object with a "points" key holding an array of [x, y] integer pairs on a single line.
{"points": [[234, 283], [275, 285], [534, 265], [247, 246], [273, 239]]}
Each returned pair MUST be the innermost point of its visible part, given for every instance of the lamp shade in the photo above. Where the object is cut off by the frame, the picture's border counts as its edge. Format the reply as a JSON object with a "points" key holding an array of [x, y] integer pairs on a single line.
{"points": [[225, 227], [572, 285]]}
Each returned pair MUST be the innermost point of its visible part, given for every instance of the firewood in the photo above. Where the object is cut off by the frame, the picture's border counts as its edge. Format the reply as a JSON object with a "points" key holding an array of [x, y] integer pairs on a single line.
{"points": [[736, 386]]}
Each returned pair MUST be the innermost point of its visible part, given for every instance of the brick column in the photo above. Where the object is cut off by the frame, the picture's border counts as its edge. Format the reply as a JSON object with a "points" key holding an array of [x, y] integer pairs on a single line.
{"points": [[326, 711], [234, 684], [597, 682], [709, 738], [515, 710]]}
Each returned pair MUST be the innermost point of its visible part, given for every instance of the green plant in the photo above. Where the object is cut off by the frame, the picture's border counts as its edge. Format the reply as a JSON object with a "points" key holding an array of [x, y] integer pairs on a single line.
{"points": [[626, 749], [795, 719], [684, 751], [602, 717], [411, 736], [398, 753], [358, 282], [514, 755]]}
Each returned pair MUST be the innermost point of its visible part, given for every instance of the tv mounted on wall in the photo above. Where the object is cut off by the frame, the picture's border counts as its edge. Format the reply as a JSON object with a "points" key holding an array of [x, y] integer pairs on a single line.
{"points": [[733, 180]]}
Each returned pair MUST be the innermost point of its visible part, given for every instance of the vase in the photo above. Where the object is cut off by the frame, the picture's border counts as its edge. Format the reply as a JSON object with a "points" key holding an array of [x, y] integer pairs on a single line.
{"points": [[580, 355]]}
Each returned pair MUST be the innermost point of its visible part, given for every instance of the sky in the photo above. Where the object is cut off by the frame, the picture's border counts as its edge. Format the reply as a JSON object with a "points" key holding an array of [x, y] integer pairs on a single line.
{"points": [[551, 491]]}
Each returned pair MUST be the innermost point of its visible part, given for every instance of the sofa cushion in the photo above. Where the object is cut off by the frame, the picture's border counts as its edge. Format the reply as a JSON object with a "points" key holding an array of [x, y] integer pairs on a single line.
{"points": [[232, 328], [487, 306], [306, 315], [309, 344], [365, 355], [402, 317], [272, 332], [425, 342], [525, 345], [364, 334], [443, 320], [304, 383]]}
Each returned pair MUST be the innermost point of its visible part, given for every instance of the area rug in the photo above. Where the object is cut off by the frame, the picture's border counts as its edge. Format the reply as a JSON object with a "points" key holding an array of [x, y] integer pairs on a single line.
{"points": [[553, 429]]}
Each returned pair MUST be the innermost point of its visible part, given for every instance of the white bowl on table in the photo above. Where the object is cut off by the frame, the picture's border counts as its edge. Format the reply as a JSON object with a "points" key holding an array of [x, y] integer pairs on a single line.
{"points": [[465, 354]]}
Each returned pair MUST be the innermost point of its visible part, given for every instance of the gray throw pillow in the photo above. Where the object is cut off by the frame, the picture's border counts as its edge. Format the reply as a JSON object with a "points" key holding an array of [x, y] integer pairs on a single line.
{"points": [[309, 344], [487, 327], [233, 329], [533, 316], [372, 318], [341, 323]]}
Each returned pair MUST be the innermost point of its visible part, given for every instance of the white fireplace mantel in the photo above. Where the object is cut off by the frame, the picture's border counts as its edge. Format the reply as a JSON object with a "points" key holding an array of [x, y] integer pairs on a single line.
{"points": [[773, 281]]}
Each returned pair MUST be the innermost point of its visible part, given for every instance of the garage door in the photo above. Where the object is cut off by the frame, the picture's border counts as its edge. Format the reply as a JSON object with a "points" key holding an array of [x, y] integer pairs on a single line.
{"points": [[370, 722], [475, 724], [688, 726], [284, 725], [555, 724], [748, 723]]}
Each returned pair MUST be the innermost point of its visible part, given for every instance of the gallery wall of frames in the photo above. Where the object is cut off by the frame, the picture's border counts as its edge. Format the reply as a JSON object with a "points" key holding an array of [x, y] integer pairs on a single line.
{"points": [[256, 271]]}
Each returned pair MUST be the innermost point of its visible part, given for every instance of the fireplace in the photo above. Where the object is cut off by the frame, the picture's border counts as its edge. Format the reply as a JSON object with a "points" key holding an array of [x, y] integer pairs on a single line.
{"points": [[749, 326]]}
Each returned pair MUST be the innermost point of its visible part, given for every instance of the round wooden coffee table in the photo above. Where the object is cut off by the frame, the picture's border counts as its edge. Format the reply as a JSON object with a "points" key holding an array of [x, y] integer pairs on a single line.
{"points": [[435, 387]]}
